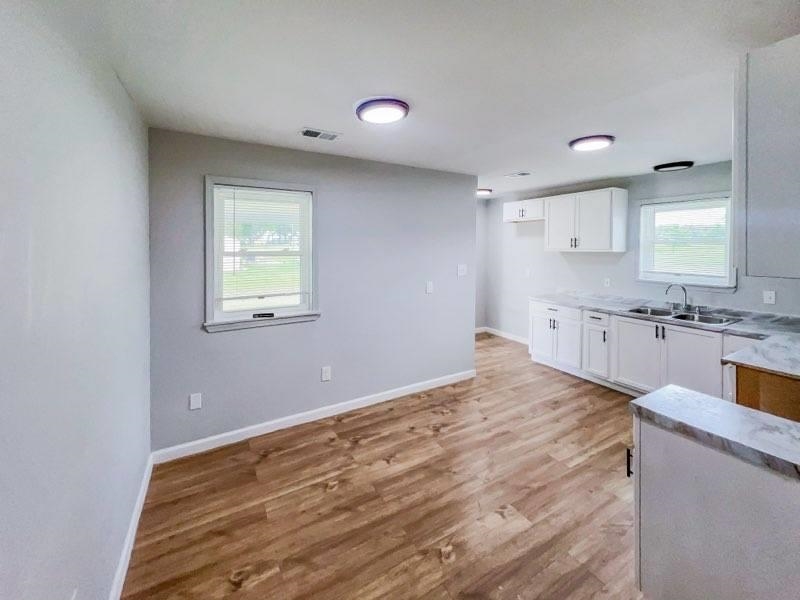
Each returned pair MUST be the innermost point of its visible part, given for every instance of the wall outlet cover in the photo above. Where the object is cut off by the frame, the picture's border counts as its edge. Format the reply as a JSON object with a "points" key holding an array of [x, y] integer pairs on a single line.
{"points": [[325, 373], [607, 282], [462, 270], [429, 287], [195, 401], [769, 297]]}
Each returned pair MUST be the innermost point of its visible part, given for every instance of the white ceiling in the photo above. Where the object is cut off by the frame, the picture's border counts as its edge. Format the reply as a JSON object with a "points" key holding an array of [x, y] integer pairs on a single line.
{"points": [[494, 86]]}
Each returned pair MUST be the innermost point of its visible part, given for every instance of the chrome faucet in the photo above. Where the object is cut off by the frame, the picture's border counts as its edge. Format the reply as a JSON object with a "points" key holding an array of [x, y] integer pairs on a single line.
{"points": [[685, 294]]}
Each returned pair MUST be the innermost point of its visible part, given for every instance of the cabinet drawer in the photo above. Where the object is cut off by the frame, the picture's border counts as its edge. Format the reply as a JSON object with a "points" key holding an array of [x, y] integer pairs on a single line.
{"points": [[555, 311], [595, 318]]}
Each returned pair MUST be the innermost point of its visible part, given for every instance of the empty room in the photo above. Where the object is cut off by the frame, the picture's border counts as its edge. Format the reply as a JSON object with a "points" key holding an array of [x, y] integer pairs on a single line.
{"points": [[400, 300]]}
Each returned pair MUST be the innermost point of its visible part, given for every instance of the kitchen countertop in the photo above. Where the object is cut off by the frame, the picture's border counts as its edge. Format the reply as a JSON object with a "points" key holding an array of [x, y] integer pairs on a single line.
{"points": [[778, 352], [756, 437]]}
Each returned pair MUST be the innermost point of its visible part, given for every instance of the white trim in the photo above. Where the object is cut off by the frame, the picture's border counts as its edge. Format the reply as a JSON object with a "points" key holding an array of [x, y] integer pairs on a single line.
{"points": [[130, 536], [237, 435], [502, 334], [261, 322]]}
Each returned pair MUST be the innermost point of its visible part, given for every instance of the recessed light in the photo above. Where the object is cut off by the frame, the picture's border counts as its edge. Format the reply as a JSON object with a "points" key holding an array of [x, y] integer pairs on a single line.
{"points": [[679, 165], [484, 192], [518, 174], [591, 142], [382, 110]]}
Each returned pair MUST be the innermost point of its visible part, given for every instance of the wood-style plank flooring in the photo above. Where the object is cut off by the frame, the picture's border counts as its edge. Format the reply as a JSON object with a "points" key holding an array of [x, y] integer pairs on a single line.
{"points": [[511, 485]]}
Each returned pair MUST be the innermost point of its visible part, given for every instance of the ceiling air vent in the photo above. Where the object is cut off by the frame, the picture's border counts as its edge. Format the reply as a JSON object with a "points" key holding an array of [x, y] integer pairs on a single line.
{"points": [[319, 134]]}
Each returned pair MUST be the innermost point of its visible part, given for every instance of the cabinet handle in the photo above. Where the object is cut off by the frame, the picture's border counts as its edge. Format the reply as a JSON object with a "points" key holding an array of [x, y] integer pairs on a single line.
{"points": [[595, 318], [628, 461], [571, 242], [656, 331], [663, 333], [604, 336], [576, 242], [553, 309]]}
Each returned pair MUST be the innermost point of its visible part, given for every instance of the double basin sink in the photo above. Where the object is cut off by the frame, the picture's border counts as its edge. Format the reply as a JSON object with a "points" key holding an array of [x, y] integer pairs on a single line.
{"points": [[680, 316]]}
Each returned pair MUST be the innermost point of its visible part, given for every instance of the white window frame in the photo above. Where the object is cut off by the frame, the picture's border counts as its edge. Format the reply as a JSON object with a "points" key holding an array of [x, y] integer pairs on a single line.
{"points": [[729, 283], [214, 321]]}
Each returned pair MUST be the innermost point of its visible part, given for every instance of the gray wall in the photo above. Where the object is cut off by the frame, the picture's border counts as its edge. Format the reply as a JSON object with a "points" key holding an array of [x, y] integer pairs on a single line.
{"points": [[74, 358], [381, 232], [514, 248]]}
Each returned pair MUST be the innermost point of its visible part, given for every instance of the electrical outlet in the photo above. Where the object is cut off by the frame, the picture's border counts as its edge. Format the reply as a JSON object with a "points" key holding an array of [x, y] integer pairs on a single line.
{"points": [[429, 287], [607, 282], [769, 297], [462, 270], [195, 401], [325, 373]]}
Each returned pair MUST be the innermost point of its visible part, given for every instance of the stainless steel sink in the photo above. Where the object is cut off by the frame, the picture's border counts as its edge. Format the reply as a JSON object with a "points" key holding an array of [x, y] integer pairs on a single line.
{"points": [[653, 312], [707, 319]]}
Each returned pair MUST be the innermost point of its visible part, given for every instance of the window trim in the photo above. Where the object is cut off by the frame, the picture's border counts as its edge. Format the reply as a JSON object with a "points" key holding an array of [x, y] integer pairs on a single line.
{"points": [[210, 324], [688, 280]]}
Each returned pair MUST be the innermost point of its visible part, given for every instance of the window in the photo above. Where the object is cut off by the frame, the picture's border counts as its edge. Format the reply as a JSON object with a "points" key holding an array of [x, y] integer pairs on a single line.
{"points": [[687, 241], [258, 254]]}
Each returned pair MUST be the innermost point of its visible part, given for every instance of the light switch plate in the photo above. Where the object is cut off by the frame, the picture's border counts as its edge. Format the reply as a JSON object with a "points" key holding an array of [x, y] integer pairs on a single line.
{"points": [[462, 270], [325, 373], [429, 287], [769, 297], [195, 401]]}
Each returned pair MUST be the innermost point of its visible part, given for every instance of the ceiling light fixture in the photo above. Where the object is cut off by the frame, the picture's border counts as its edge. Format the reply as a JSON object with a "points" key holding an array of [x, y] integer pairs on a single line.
{"points": [[484, 192], [591, 142], [674, 166], [382, 110]]}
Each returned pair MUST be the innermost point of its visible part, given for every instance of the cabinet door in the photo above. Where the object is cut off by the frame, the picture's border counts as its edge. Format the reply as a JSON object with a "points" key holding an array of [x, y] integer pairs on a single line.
{"points": [[593, 221], [559, 223], [637, 354], [731, 344], [541, 337], [595, 350], [568, 343], [691, 359], [512, 211], [532, 210]]}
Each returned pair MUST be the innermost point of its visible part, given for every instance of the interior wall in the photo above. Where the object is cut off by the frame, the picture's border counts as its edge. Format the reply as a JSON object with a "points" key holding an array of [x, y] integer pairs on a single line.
{"points": [[381, 232], [517, 265], [74, 358], [480, 263]]}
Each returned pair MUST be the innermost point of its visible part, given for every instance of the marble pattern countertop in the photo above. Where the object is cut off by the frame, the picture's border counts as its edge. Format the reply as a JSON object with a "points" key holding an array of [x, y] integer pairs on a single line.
{"points": [[756, 437], [778, 353]]}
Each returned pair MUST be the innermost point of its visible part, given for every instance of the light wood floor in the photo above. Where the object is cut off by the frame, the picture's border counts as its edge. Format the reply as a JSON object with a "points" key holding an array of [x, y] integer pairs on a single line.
{"points": [[511, 485]]}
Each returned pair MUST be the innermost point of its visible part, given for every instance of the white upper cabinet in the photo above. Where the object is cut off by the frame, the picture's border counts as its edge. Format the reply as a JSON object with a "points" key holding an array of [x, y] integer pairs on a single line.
{"points": [[767, 154], [593, 221], [523, 210]]}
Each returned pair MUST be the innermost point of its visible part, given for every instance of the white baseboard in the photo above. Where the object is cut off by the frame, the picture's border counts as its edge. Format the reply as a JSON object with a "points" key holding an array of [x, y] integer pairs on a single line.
{"points": [[237, 435], [502, 334], [130, 536]]}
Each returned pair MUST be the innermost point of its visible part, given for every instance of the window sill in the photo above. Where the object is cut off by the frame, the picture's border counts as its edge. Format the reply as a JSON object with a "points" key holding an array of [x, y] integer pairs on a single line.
{"points": [[218, 326]]}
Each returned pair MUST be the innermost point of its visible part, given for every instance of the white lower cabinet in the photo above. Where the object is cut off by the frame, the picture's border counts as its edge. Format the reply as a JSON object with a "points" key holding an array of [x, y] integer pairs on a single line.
{"points": [[649, 355], [595, 350], [637, 354], [568, 343], [555, 335], [691, 359]]}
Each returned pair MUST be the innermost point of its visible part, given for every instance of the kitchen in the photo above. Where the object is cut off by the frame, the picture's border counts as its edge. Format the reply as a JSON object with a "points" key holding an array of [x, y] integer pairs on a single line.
{"points": [[635, 311]]}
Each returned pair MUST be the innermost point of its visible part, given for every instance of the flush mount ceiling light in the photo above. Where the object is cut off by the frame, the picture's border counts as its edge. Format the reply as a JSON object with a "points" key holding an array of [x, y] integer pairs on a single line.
{"points": [[591, 142], [674, 166], [484, 192], [518, 174], [382, 110]]}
